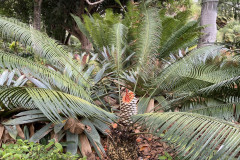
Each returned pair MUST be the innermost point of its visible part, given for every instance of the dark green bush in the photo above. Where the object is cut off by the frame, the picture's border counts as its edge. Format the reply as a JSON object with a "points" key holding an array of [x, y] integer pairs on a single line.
{"points": [[24, 150]]}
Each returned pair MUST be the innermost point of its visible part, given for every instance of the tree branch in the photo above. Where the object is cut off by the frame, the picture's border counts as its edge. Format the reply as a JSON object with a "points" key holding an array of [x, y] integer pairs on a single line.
{"points": [[94, 3]]}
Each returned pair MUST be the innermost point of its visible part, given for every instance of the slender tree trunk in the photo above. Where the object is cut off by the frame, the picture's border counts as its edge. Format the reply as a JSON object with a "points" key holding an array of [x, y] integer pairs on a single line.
{"points": [[75, 31], [85, 43], [37, 14], [208, 20]]}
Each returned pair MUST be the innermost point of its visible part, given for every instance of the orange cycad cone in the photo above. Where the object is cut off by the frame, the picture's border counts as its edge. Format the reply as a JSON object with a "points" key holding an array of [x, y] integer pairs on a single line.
{"points": [[128, 107]]}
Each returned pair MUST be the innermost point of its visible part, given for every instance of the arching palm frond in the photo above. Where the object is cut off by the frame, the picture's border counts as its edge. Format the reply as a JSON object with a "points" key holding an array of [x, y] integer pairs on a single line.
{"points": [[173, 73], [178, 39], [199, 76], [149, 39], [53, 104], [227, 90], [43, 46], [54, 78], [228, 87], [178, 33], [99, 27], [229, 111], [118, 38], [195, 136]]}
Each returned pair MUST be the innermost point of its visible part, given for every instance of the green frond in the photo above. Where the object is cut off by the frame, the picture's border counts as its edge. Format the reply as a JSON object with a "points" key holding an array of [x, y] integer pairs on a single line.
{"points": [[53, 104], [171, 75], [228, 111], [100, 27], [83, 29], [183, 16], [188, 84], [118, 41], [224, 90], [195, 136], [197, 76], [149, 38], [178, 33], [169, 26], [43, 46], [25, 117], [54, 78], [179, 38], [227, 91], [132, 19]]}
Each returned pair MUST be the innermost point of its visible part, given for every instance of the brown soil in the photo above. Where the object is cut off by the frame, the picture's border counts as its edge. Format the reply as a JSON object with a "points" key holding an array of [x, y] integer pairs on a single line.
{"points": [[132, 144]]}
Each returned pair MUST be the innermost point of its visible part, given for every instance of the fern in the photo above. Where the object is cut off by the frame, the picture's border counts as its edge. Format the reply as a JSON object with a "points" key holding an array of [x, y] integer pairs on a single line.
{"points": [[99, 28], [83, 29]]}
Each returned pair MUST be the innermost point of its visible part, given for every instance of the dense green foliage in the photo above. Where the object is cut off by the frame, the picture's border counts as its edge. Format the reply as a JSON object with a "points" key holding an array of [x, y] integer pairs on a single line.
{"points": [[229, 9], [175, 32], [196, 136], [136, 42], [24, 150], [203, 81], [64, 85], [145, 49], [19, 9], [230, 34]]}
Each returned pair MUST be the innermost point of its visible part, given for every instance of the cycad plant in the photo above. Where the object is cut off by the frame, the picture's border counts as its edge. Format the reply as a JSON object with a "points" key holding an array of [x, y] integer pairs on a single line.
{"points": [[60, 91], [200, 88], [202, 84], [137, 46]]}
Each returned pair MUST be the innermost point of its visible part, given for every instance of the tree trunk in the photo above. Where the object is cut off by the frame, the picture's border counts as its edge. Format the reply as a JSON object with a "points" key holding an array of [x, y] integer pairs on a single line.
{"points": [[208, 20], [86, 45], [37, 14]]}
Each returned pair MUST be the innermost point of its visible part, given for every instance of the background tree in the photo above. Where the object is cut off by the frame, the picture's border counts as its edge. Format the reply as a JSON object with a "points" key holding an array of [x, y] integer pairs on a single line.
{"points": [[208, 20], [230, 9], [37, 14], [56, 15], [20, 9]]}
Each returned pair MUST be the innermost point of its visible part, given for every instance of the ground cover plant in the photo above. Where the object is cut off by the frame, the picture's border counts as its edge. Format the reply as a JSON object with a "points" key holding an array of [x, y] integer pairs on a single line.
{"points": [[24, 150]]}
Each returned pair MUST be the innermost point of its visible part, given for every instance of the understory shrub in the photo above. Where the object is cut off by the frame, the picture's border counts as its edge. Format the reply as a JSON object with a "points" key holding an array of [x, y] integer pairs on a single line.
{"points": [[24, 150]]}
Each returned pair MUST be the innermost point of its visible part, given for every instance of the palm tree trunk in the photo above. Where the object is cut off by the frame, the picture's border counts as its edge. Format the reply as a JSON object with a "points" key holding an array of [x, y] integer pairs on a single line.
{"points": [[37, 14], [208, 20]]}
